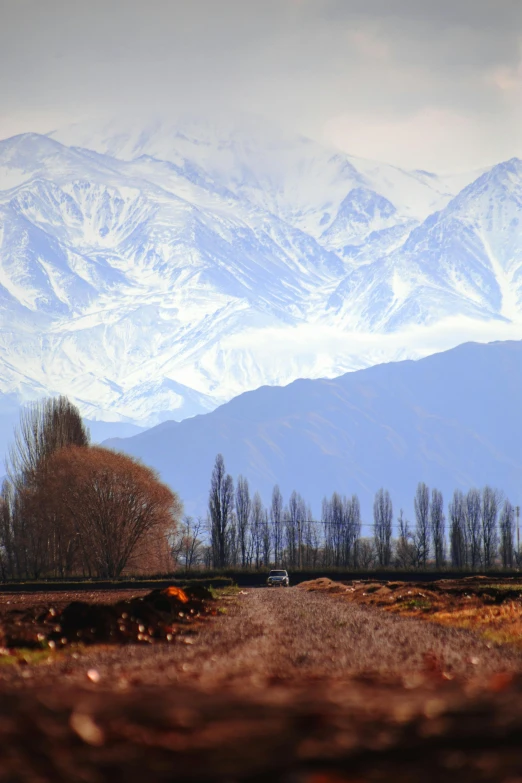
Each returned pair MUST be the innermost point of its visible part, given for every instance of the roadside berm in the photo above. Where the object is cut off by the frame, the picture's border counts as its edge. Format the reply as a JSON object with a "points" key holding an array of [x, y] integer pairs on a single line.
{"points": [[157, 616], [490, 606]]}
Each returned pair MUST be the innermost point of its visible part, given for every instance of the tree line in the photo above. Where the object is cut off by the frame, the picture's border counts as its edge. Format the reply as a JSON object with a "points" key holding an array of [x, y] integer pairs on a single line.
{"points": [[69, 508], [476, 531]]}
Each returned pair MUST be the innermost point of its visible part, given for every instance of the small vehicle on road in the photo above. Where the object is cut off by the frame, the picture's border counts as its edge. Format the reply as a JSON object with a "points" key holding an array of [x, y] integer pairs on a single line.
{"points": [[278, 579]]}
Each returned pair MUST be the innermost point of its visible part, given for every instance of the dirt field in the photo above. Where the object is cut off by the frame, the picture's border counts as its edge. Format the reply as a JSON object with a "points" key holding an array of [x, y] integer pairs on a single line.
{"points": [[289, 685]]}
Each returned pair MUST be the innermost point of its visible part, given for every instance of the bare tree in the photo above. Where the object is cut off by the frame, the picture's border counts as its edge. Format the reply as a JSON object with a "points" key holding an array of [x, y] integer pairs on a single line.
{"points": [[507, 532], [422, 523], [382, 523], [8, 552], [353, 531], [458, 543], [276, 518], [221, 506], [257, 518], [438, 527], [266, 538], [233, 545], [405, 550], [33, 541], [291, 533], [311, 542], [367, 555], [473, 531], [44, 427], [341, 520], [328, 533], [337, 521], [243, 505], [491, 499], [294, 523], [187, 546]]}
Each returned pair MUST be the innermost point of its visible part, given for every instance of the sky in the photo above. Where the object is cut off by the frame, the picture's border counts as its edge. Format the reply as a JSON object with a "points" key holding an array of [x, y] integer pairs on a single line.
{"points": [[431, 84]]}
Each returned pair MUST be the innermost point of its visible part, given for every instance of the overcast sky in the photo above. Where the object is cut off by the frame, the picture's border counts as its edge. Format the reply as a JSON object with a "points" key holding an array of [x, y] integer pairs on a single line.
{"points": [[433, 84]]}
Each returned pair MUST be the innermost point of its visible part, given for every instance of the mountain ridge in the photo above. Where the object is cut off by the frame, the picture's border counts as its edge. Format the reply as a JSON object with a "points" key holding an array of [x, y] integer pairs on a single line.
{"points": [[147, 287], [450, 419]]}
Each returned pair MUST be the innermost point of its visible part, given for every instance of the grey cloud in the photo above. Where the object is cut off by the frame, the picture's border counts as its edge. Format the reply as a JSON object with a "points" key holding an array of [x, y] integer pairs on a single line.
{"points": [[479, 14], [301, 61]]}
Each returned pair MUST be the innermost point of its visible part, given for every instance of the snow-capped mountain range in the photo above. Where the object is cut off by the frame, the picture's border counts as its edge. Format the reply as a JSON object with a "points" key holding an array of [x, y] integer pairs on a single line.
{"points": [[155, 273]]}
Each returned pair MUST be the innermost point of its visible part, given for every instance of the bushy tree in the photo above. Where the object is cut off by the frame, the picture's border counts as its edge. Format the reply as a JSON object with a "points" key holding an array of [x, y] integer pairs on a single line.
{"points": [[115, 509]]}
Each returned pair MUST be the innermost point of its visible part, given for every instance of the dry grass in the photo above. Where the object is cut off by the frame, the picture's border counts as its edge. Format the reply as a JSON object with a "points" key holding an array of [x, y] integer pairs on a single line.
{"points": [[501, 624], [490, 608]]}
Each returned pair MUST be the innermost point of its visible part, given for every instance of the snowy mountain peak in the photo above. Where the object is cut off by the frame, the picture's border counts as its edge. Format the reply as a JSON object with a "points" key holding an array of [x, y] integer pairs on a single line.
{"points": [[155, 271]]}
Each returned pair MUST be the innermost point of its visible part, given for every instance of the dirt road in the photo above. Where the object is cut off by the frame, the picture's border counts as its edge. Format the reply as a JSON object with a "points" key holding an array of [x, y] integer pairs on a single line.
{"points": [[283, 684], [282, 634]]}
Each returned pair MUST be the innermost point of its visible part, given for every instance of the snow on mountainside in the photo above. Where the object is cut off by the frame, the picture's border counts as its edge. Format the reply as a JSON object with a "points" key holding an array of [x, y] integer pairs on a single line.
{"points": [[154, 273], [290, 176]]}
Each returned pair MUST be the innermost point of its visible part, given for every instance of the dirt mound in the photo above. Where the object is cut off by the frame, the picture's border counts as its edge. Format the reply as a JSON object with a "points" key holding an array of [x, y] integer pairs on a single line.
{"points": [[490, 606], [324, 585], [157, 616]]}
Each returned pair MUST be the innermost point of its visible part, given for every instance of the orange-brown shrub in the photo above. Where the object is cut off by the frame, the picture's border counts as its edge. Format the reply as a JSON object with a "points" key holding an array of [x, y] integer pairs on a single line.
{"points": [[117, 512]]}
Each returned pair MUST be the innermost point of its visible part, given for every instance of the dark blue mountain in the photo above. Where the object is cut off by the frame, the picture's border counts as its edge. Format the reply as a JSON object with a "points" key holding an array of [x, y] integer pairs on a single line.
{"points": [[452, 420]]}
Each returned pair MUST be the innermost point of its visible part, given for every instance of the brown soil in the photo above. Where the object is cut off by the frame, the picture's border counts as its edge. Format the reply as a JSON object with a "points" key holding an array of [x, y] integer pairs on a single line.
{"points": [[282, 685], [59, 600]]}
